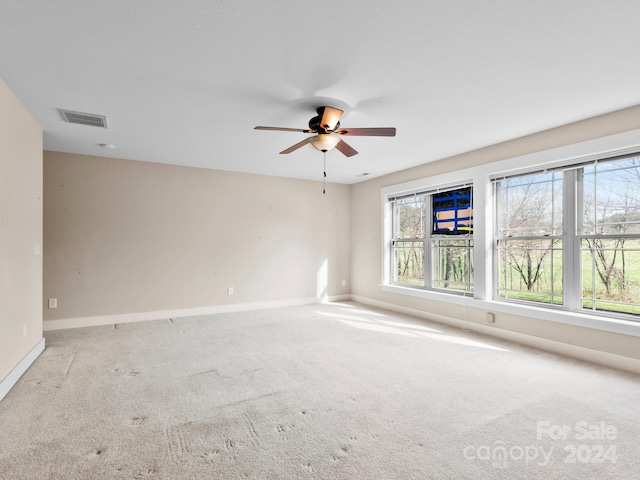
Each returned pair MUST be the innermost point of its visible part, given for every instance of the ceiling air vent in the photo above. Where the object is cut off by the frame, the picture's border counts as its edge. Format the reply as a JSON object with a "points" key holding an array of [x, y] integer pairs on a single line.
{"points": [[82, 118]]}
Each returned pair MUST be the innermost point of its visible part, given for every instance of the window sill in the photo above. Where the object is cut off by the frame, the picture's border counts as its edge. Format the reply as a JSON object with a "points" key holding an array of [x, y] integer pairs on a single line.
{"points": [[625, 327]]}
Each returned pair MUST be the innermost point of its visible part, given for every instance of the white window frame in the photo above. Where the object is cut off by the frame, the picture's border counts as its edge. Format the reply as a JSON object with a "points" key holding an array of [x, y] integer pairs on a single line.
{"points": [[481, 179], [427, 243]]}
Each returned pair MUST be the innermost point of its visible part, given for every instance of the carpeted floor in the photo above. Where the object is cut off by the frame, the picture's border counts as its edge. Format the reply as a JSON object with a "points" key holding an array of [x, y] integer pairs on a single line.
{"points": [[337, 391]]}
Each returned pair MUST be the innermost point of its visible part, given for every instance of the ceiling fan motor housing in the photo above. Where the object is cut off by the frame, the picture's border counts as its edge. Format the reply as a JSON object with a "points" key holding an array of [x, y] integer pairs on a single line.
{"points": [[314, 124]]}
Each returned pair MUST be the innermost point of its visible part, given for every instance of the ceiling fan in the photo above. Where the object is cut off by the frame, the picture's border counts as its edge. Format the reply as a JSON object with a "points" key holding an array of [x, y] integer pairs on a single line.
{"points": [[326, 126]]}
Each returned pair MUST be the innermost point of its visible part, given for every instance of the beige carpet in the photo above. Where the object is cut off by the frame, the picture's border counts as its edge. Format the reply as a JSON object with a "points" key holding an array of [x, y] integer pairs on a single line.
{"points": [[335, 391]]}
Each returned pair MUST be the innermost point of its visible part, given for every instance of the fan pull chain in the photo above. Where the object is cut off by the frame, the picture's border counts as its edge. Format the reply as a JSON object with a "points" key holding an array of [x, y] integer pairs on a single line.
{"points": [[324, 180]]}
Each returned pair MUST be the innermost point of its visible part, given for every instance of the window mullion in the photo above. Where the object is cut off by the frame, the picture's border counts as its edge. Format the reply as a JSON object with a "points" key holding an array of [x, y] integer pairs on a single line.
{"points": [[428, 257], [571, 255]]}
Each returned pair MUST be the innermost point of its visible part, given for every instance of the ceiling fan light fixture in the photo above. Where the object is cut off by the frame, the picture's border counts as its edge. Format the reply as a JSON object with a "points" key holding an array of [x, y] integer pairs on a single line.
{"points": [[324, 141]]}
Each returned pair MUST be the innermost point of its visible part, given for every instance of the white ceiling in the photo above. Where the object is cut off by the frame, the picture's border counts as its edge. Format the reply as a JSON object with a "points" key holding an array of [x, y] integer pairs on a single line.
{"points": [[185, 82]]}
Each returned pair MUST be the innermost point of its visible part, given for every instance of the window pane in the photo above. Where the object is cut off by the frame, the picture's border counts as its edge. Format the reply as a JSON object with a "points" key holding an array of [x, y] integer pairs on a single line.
{"points": [[611, 274], [453, 212], [409, 262], [410, 213], [530, 205], [611, 203], [453, 264], [531, 270]]}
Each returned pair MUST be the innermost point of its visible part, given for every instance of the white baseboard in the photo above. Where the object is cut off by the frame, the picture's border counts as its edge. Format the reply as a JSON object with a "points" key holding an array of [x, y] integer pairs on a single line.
{"points": [[79, 322], [582, 353], [14, 375]]}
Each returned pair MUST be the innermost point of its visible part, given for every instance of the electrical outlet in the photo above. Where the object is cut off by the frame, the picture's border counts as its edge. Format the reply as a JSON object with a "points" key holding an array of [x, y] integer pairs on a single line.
{"points": [[53, 303], [344, 283], [491, 318], [230, 291]]}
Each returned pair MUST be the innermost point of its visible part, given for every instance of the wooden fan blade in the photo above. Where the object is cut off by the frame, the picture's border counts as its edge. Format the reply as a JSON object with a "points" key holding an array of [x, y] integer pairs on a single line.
{"points": [[296, 146], [330, 117], [346, 149], [368, 132], [284, 129]]}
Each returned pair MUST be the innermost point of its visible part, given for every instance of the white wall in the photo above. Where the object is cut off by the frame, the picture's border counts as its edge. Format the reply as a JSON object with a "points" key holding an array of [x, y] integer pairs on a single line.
{"points": [[20, 238], [367, 252], [134, 240]]}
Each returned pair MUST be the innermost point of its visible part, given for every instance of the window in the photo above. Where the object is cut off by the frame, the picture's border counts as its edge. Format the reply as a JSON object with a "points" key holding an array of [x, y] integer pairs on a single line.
{"points": [[610, 236], [432, 240], [571, 237], [529, 237], [409, 237]]}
